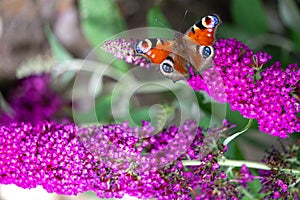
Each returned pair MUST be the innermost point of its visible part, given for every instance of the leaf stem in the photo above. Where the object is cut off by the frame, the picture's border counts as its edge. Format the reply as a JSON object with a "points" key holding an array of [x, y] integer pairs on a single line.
{"points": [[232, 137], [238, 163]]}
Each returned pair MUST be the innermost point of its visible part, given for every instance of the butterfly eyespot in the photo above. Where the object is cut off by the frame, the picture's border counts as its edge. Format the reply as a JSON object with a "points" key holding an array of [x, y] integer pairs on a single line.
{"points": [[167, 65], [167, 68], [143, 46], [210, 21], [206, 52]]}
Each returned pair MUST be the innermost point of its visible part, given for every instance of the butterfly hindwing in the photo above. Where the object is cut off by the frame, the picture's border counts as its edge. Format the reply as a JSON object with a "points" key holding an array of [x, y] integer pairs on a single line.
{"points": [[174, 67]]}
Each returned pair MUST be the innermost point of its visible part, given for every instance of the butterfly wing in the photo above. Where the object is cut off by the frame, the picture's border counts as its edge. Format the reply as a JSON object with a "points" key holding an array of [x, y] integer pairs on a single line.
{"points": [[174, 67], [162, 52], [153, 49], [192, 51], [199, 39], [203, 31]]}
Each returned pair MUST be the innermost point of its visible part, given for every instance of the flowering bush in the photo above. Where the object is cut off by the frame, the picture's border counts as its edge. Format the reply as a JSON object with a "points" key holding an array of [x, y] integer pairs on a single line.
{"points": [[40, 145], [64, 159], [34, 100], [185, 162], [270, 96]]}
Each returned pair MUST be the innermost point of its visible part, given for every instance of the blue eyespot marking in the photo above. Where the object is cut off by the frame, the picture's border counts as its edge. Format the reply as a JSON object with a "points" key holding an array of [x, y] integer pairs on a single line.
{"points": [[215, 19], [206, 52], [167, 65], [167, 68], [138, 48]]}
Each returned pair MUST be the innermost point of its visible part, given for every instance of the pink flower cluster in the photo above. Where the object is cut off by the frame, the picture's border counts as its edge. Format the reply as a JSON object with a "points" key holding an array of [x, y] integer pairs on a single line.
{"points": [[238, 77]]}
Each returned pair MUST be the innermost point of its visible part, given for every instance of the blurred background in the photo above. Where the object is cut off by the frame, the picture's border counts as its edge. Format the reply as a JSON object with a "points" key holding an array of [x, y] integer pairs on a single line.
{"points": [[36, 35]]}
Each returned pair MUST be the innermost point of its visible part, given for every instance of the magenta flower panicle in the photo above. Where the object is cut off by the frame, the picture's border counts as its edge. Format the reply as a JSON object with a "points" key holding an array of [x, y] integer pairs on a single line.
{"points": [[239, 76], [123, 49], [113, 160], [62, 159], [33, 100]]}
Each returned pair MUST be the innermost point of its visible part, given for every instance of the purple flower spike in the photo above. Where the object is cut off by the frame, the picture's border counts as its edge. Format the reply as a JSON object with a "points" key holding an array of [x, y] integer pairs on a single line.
{"points": [[61, 159], [34, 100], [123, 49], [267, 96], [237, 76], [245, 176]]}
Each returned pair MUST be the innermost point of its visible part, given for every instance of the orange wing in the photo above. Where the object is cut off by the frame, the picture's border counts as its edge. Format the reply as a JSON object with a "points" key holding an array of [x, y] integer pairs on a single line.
{"points": [[154, 49], [204, 31]]}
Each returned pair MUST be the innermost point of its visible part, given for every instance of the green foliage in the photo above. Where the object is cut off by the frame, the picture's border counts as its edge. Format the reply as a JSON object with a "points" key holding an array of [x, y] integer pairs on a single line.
{"points": [[234, 151], [252, 191], [100, 20], [58, 51], [249, 15], [139, 115], [289, 13], [155, 18], [103, 109]]}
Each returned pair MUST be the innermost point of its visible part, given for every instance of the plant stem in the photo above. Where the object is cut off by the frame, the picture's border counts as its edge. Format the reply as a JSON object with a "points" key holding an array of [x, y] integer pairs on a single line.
{"points": [[238, 163]]}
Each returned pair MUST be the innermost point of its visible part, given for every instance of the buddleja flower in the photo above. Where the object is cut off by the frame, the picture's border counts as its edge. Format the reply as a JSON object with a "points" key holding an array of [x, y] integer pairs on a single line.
{"points": [[33, 100], [238, 76], [277, 183], [262, 94], [62, 159]]}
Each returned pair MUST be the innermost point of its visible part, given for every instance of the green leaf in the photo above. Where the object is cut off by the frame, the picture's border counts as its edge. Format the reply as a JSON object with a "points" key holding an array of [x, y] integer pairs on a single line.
{"points": [[103, 108], [139, 115], [249, 15], [295, 36], [235, 117], [100, 20], [289, 13], [5, 107], [155, 18], [253, 190], [58, 51], [234, 151]]}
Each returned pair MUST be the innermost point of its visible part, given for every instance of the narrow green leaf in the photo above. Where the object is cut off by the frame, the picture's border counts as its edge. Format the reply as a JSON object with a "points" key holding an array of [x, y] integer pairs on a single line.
{"points": [[289, 13], [58, 51], [155, 18], [295, 36], [139, 115], [4, 106], [103, 108], [254, 188], [249, 15], [100, 20], [234, 151]]}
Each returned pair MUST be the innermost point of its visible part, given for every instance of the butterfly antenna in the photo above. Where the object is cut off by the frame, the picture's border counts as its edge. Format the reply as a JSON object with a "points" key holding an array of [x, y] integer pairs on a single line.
{"points": [[184, 16]]}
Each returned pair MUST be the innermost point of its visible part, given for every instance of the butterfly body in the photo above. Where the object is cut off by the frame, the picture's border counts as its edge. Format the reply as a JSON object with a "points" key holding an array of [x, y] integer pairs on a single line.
{"points": [[188, 52]]}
